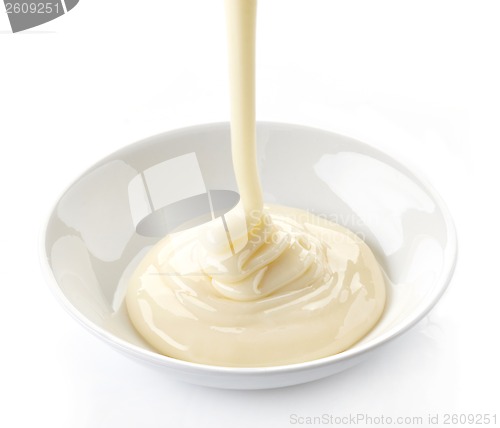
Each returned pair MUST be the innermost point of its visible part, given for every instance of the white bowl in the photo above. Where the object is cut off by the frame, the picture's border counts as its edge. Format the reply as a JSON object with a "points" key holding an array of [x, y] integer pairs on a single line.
{"points": [[95, 235]]}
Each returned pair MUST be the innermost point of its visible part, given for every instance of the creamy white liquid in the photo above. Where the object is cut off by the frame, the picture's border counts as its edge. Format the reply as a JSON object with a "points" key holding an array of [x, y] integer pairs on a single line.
{"points": [[240, 17], [276, 285]]}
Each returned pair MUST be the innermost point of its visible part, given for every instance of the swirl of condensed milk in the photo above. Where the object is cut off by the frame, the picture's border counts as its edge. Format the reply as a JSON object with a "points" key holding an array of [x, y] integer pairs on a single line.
{"points": [[272, 285]]}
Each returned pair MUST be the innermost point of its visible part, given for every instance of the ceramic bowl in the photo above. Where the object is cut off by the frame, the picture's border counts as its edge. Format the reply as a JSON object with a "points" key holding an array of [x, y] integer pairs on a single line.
{"points": [[105, 222]]}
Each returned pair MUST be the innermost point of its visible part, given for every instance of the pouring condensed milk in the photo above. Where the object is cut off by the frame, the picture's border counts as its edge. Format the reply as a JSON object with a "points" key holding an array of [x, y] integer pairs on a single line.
{"points": [[271, 286]]}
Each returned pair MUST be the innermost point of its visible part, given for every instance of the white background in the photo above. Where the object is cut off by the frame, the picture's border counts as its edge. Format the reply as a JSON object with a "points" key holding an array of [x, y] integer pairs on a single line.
{"points": [[420, 80]]}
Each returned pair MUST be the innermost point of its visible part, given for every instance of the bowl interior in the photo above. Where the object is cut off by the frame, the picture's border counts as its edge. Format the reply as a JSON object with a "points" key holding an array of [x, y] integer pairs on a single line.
{"points": [[109, 217]]}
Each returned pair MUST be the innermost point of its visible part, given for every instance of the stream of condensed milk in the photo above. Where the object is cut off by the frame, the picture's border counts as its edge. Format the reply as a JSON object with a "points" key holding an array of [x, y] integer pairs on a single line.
{"points": [[273, 285]]}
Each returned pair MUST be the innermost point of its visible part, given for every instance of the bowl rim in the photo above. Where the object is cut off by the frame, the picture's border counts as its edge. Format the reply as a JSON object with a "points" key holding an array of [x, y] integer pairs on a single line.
{"points": [[449, 263]]}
